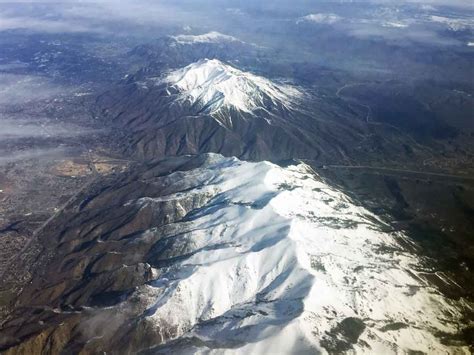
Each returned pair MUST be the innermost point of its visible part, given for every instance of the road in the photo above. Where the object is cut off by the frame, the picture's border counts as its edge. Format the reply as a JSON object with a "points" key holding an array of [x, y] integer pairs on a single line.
{"points": [[396, 170]]}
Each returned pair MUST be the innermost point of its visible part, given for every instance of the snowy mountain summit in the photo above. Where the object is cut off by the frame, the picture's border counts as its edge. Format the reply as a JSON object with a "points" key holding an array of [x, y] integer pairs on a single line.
{"points": [[212, 86], [211, 37]]}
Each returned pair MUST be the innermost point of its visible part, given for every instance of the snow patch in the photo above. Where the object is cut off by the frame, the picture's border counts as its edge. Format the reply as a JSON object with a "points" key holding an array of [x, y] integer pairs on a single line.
{"points": [[321, 18], [454, 24], [427, 7], [235, 11]]}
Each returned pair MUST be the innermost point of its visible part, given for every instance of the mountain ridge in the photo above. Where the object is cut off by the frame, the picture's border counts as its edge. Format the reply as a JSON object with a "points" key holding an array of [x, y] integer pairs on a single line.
{"points": [[206, 253]]}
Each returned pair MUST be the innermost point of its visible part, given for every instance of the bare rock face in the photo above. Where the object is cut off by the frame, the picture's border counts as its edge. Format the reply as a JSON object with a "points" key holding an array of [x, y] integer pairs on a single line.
{"points": [[206, 253]]}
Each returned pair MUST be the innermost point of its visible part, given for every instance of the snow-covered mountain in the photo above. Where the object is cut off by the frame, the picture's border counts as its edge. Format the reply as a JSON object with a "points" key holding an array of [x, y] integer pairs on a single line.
{"points": [[211, 86], [208, 87], [213, 106], [209, 254], [274, 260], [180, 50], [210, 37]]}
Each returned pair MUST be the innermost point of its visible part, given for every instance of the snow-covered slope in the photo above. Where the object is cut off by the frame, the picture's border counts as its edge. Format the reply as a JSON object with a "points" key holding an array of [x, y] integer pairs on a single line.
{"points": [[210, 37], [212, 85], [264, 259]]}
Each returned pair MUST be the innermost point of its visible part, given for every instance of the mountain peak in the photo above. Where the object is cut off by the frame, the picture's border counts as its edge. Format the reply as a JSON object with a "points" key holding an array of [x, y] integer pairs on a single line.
{"points": [[213, 85]]}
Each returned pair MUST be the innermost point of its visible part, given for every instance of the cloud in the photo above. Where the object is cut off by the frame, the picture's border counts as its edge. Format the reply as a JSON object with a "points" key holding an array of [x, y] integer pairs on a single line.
{"points": [[17, 128], [402, 35], [457, 3], [26, 154], [402, 25], [41, 25], [100, 16], [454, 3], [19, 88]]}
